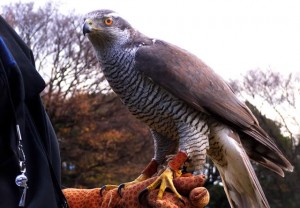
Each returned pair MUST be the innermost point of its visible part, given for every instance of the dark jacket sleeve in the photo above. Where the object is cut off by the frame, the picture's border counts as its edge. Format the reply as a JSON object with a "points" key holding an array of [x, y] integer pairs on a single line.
{"points": [[20, 103]]}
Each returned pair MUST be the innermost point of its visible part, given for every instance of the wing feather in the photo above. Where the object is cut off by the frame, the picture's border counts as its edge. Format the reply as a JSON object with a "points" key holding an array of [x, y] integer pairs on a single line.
{"points": [[187, 77]]}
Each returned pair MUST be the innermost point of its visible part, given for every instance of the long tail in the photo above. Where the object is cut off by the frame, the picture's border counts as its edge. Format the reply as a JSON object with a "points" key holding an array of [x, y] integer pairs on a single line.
{"points": [[239, 179]]}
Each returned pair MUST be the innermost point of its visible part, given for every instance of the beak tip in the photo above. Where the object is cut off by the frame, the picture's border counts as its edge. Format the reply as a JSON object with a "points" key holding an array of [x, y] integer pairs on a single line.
{"points": [[86, 29]]}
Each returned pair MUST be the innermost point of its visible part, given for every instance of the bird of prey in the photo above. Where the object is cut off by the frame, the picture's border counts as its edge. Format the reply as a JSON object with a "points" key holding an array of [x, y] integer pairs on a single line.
{"points": [[190, 110]]}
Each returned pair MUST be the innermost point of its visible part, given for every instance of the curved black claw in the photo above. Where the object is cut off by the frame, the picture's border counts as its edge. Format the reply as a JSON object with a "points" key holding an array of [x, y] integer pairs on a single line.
{"points": [[142, 195], [102, 189], [120, 187], [182, 201]]}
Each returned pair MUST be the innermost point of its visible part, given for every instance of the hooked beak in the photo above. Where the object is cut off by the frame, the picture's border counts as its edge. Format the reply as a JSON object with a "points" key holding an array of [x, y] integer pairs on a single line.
{"points": [[85, 29], [87, 26]]}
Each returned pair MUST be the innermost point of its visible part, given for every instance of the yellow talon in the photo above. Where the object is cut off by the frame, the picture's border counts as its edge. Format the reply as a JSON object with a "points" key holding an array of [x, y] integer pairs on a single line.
{"points": [[165, 180], [142, 177]]}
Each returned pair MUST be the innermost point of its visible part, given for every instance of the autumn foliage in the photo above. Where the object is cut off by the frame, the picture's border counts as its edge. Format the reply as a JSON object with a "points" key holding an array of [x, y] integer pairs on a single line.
{"points": [[100, 141]]}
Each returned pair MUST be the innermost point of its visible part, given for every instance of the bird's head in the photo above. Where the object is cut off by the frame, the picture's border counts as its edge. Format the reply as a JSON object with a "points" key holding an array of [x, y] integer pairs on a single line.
{"points": [[106, 29]]}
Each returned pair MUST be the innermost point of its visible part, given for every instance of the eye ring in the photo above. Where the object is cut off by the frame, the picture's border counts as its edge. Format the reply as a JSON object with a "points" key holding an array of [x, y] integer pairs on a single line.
{"points": [[108, 21]]}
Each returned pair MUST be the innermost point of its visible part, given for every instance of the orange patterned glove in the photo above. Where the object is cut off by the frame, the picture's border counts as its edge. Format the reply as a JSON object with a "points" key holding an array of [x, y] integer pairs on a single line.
{"points": [[190, 187]]}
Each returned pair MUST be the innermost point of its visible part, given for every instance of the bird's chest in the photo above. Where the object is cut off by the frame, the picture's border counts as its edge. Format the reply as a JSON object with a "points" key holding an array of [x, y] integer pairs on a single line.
{"points": [[149, 102]]}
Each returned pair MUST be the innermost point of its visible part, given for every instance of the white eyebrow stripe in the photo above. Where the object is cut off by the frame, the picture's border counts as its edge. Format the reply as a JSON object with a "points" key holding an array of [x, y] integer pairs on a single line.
{"points": [[113, 14]]}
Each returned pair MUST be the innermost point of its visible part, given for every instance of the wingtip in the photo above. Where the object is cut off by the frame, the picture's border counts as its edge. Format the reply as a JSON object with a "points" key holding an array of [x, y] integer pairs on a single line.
{"points": [[290, 168]]}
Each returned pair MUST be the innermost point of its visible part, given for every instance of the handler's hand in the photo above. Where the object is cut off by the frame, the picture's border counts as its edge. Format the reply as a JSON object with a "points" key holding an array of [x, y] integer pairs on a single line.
{"points": [[190, 187]]}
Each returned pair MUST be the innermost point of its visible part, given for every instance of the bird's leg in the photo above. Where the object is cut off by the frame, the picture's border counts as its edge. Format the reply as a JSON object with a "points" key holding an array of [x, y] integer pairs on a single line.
{"points": [[150, 170], [176, 162], [165, 180]]}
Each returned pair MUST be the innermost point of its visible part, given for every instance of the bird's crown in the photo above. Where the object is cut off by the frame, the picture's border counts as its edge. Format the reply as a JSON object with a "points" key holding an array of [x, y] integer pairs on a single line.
{"points": [[106, 26]]}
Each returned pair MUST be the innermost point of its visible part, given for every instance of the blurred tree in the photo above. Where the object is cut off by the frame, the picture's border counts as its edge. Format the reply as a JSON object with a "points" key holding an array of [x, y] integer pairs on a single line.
{"points": [[63, 55], [276, 94], [101, 142], [280, 94]]}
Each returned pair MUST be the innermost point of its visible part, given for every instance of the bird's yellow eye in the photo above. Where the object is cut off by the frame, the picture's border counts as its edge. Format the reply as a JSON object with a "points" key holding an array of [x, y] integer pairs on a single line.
{"points": [[108, 21]]}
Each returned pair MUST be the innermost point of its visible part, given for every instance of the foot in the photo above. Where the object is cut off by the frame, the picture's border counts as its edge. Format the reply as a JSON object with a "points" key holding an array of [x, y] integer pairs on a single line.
{"points": [[150, 169], [107, 188], [141, 178], [165, 180]]}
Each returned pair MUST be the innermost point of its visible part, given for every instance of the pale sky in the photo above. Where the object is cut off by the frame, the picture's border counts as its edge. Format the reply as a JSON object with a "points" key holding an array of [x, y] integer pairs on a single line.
{"points": [[231, 36]]}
